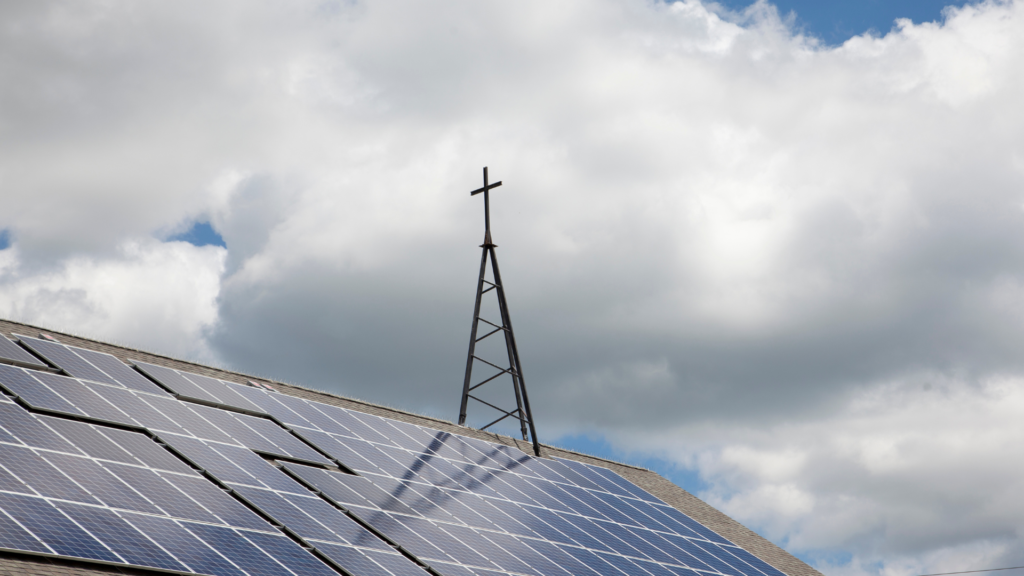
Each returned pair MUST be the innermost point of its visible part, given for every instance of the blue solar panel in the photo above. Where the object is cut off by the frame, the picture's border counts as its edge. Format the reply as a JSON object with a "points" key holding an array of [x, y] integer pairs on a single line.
{"points": [[21, 383], [216, 501], [42, 476], [103, 485], [193, 423], [89, 439], [134, 404], [224, 392], [183, 545], [122, 538], [120, 372], [14, 537], [232, 545], [63, 357], [14, 354], [466, 505], [173, 380], [353, 560], [158, 491], [55, 529], [299, 561], [30, 431]]}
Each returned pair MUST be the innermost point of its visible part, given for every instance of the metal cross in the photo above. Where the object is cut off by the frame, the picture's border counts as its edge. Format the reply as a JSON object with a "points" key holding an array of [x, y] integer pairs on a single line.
{"points": [[486, 189]]}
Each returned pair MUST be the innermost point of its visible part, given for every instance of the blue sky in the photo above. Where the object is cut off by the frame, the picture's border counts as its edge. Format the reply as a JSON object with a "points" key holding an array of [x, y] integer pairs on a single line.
{"points": [[836, 21]]}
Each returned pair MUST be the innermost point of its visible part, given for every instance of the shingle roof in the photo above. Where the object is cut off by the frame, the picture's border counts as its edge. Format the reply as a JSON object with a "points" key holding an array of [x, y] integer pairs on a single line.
{"points": [[15, 563]]}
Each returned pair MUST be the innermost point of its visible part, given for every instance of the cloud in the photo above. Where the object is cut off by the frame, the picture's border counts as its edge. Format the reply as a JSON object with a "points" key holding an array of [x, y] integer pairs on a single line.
{"points": [[912, 471], [158, 296], [713, 228]]}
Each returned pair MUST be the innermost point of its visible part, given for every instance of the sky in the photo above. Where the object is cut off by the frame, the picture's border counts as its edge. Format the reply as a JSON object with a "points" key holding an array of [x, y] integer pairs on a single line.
{"points": [[772, 251]]}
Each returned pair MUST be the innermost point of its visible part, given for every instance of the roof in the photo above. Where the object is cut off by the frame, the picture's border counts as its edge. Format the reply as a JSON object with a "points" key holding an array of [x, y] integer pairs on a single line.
{"points": [[16, 563]]}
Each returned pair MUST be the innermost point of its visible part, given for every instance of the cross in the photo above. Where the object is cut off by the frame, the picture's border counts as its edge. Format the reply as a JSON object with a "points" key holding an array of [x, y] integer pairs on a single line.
{"points": [[487, 204]]}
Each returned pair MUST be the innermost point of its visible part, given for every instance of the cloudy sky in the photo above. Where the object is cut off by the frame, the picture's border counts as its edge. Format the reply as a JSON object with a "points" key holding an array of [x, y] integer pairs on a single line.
{"points": [[775, 252]]}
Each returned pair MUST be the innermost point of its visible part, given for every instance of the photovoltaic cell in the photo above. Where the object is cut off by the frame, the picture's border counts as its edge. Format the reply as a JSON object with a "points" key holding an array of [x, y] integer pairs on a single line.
{"points": [[451, 546], [11, 352], [281, 510], [348, 419], [396, 564], [207, 458], [452, 569], [10, 483], [134, 404], [390, 501], [120, 372], [401, 534], [288, 444], [301, 413], [259, 468]]}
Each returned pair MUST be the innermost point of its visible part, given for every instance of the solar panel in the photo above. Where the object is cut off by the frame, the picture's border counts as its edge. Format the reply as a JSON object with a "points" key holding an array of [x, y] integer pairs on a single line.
{"points": [[229, 479], [196, 387], [64, 358], [11, 353]]}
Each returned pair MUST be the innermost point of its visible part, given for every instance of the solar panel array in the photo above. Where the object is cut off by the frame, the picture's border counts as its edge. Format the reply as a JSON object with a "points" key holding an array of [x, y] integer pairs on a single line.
{"points": [[155, 467]]}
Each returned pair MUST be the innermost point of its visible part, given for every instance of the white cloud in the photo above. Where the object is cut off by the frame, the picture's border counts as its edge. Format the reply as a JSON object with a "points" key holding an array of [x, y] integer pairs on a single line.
{"points": [[157, 296], [712, 229]]}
